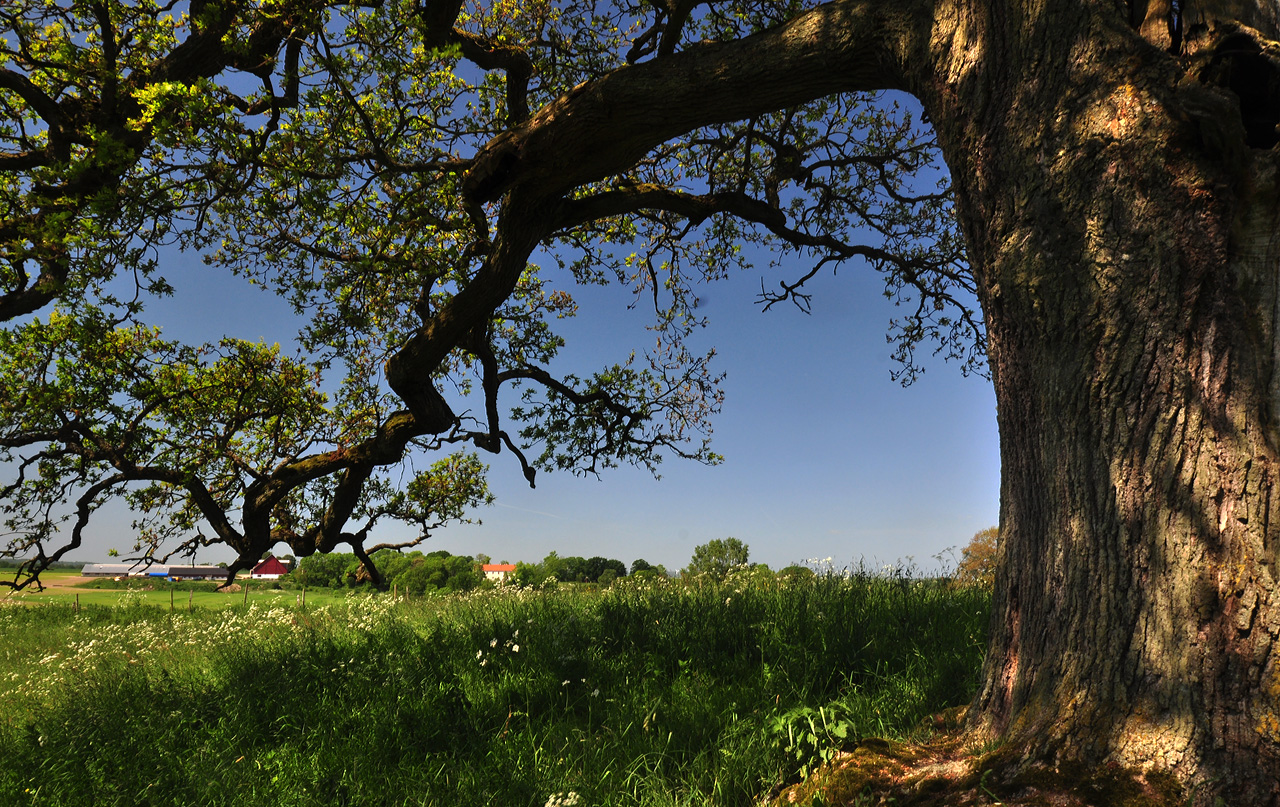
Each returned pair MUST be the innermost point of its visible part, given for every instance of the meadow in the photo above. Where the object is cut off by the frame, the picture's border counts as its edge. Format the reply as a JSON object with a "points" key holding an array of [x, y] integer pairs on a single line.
{"points": [[645, 693], [69, 588]]}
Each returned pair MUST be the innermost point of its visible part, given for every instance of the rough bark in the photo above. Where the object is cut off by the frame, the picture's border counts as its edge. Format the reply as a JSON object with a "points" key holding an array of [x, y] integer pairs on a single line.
{"points": [[1122, 215]]}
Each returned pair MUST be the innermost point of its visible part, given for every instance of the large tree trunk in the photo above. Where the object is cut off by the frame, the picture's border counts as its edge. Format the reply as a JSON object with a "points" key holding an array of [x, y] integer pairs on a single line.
{"points": [[1125, 231]]}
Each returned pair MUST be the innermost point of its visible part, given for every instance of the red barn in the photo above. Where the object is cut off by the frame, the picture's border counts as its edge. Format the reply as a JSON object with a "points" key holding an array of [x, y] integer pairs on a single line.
{"points": [[269, 569]]}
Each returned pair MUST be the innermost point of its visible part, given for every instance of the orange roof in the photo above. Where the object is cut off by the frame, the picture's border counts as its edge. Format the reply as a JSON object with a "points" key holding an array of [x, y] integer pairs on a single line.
{"points": [[498, 567]]}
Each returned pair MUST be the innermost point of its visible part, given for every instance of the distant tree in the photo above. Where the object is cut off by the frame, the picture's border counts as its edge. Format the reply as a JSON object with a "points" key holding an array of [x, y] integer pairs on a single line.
{"points": [[527, 574], [417, 573], [978, 560], [551, 565], [461, 574], [640, 565], [607, 577], [573, 569], [717, 557], [535, 574], [426, 575], [391, 564], [593, 568], [795, 573], [329, 570], [597, 566]]}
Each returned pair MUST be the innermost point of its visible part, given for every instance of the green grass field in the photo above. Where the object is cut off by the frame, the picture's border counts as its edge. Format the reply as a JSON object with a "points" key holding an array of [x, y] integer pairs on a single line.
{"points": [[68, 588], [643, 694]]}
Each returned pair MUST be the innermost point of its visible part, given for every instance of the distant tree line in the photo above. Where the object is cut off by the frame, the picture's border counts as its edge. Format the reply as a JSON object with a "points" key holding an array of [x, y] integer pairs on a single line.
{"points": [[419, 573], [14, 563], [414, 572], [575, 569]]}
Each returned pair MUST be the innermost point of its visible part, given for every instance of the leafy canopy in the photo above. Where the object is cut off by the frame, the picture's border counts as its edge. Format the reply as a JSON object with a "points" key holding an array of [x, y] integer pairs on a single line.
{"points": [[408, 176]]}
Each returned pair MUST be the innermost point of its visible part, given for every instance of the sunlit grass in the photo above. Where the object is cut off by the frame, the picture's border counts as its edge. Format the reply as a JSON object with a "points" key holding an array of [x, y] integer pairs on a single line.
{"points": [[70, 589], [644, 694]]}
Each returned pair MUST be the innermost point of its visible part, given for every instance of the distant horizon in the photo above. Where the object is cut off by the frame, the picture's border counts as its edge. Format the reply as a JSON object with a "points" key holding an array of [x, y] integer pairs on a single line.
{"points": [[817, 564]]}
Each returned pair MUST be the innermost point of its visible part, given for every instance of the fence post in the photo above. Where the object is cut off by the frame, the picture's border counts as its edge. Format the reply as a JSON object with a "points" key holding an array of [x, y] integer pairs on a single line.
{"points": [[246, 593], [191, 594], [170, 597]]}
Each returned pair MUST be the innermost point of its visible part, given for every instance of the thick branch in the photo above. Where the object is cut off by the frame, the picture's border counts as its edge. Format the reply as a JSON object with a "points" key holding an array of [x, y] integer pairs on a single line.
{"points": [[384, 448], [409, 372], [605, 125], [44, 106], [26, 298], [346, 496]]}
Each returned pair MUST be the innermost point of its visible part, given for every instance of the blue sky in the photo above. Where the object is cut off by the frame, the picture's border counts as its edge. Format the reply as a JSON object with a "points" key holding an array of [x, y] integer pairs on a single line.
{"points": [[825, 455]]}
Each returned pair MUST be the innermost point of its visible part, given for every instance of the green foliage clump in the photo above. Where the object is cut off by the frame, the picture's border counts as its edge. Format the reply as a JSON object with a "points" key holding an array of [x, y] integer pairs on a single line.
{"points": [[978, 560], [413, 573], [570, 569], [327, 570], [717, 558]]}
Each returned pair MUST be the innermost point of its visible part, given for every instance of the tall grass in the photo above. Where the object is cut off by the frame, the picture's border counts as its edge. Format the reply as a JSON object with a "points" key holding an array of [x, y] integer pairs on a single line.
{"points": [[643, 694]]}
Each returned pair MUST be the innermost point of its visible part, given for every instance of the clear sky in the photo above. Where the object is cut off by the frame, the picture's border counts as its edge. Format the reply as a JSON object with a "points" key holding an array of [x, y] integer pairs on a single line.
{"points": [[825, 455]]}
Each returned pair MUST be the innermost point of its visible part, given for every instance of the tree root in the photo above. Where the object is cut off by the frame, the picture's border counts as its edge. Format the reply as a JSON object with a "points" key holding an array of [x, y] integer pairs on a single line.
{"points": [[955, 769]]}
